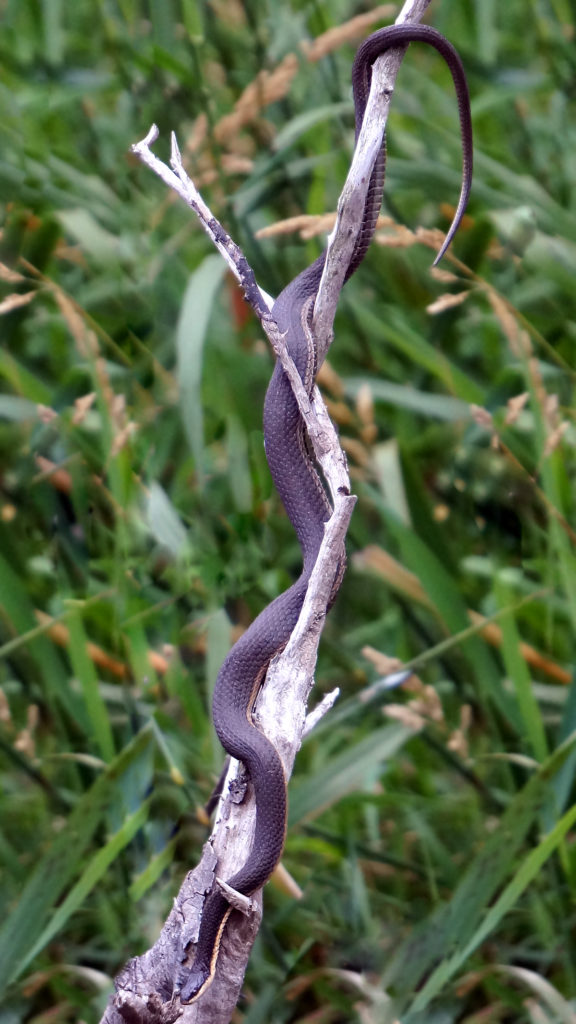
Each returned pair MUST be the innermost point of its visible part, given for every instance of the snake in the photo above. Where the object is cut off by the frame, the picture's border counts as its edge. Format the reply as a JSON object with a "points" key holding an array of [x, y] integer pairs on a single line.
{"points": [[304, 497]]}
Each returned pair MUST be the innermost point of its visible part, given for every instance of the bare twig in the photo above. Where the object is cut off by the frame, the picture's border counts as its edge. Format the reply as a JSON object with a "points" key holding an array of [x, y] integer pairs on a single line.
{"points": [[145, 987]]}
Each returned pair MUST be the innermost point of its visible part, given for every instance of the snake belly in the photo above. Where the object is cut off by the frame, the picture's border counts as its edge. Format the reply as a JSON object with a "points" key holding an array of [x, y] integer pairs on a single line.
{"points": [[304, 498]]}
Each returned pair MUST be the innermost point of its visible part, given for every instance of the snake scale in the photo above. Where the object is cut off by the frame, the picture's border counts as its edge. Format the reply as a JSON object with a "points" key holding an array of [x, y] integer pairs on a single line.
{"points": [[303, 495]]}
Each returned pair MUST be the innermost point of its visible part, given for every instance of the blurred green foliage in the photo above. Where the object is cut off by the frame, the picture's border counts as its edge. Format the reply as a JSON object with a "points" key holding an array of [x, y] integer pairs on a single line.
{"points": [[138, 525]]}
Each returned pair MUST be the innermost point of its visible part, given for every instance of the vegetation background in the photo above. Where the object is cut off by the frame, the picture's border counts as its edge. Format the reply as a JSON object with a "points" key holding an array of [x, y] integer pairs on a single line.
{"points": [[431, 828]]}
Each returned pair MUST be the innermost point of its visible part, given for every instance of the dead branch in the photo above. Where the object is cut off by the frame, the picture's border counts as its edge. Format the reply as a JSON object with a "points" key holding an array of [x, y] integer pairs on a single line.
{"points": [[144, 989]]}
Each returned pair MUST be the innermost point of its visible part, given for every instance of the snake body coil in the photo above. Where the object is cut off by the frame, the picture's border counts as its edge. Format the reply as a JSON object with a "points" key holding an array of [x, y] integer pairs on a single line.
{"points": [[308, 508]]}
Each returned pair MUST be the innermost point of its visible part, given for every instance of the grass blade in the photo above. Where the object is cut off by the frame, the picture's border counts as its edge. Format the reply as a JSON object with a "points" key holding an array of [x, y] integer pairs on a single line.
{"points": [[190, 336], [526, 874], [55, 871], [89, 878], [345, 773], [462, 922]]}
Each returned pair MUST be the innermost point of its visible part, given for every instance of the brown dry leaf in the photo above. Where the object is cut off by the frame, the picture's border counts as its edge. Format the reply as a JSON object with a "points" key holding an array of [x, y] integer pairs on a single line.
{"points": [[492, 632], [550, 407], [385, 221], [59, 633], [458, 741], [7, 274], [432, 237], [287, 226], [198, 135], [555, 438], [350, 31], [329, 379], [283, 880], [401, 238], [108, 392], [404, 714], [86, 340], [542, 395], [365, 405], [46, 414], [235, 163], [365, 412], [339, 412], [441, 513], [458, 744], [515, 406], [468, 982], [518, 338], [447, 301], [369, 434], [428, 704], [466, 717], [319, 225], [356, 450], [268, 87], [81, 407], [122, 437], [481, 416], [309, 226], [118, 409], [24, 742], [5, 715], [231, 163], [71, 253], [158, 662], [445, 276], [58, 477], [376, 559], [383, 663], [15, 300]]}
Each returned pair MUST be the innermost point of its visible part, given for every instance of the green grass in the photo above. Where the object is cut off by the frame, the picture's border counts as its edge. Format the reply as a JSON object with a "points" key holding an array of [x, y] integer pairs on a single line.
{"points": [[138, 526]]}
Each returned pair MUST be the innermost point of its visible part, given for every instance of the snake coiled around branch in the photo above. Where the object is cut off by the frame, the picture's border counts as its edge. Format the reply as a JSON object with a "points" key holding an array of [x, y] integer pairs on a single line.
{"points": [[305, 500]]}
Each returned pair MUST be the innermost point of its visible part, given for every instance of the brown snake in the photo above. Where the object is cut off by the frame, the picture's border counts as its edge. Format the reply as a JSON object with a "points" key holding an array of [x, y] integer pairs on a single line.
{"points": [[306, 503]]}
